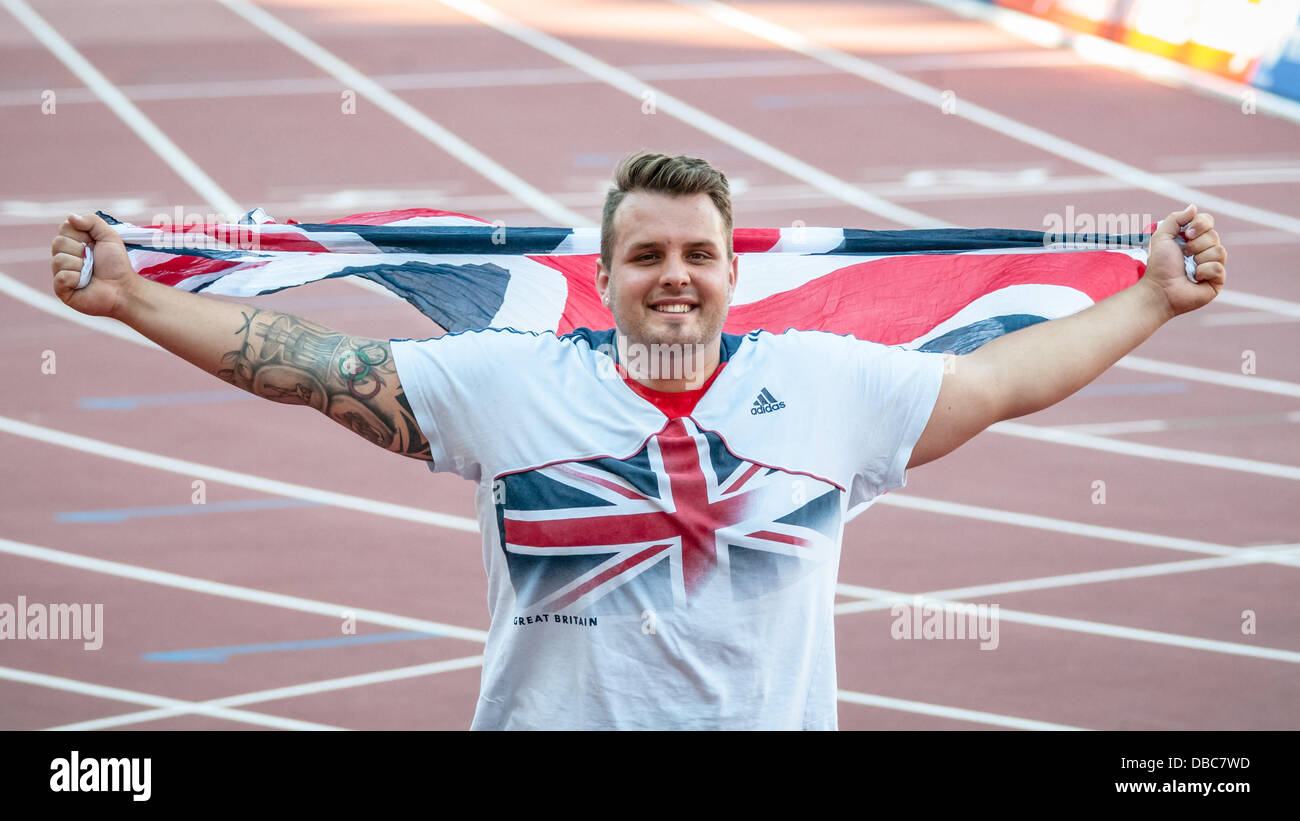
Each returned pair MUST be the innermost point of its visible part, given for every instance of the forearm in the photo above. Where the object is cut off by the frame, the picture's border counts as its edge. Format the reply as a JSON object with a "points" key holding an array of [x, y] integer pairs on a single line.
{"points": [[283, 358], [1038, 366], [237, 342]]}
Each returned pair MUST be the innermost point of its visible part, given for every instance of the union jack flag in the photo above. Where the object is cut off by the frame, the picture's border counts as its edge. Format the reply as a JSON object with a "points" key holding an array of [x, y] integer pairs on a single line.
{"points": [[681, 520], [937, 290]]}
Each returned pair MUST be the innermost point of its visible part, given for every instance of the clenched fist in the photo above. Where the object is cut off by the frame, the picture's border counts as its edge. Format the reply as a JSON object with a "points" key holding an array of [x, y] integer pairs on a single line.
{"points": [[1165, 269], [112, 277]]}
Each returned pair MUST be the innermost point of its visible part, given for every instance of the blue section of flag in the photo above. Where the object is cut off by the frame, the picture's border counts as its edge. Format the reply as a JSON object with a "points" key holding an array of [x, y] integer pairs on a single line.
{"points": [[968, 338]]}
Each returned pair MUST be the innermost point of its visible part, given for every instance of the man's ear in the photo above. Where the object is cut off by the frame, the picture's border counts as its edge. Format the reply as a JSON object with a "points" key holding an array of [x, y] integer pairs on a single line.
{"points": [[735, 275], [602, 282]]}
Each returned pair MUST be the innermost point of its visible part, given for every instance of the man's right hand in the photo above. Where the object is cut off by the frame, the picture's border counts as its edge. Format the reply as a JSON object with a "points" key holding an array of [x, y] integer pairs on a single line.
{"points": [[113, 274]]}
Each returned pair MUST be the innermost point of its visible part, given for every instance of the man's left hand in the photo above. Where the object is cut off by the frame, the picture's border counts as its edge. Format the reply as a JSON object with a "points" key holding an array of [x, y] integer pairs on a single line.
{"points": [[1165, 270]]}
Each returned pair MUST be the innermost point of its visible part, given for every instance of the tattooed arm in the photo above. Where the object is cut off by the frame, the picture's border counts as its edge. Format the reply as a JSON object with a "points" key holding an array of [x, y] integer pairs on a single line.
{"points": [[280, 357]]}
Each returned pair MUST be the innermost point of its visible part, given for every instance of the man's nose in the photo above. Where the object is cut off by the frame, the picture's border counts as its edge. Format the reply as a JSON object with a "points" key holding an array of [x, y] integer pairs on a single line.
{"points": [[675, 273]]}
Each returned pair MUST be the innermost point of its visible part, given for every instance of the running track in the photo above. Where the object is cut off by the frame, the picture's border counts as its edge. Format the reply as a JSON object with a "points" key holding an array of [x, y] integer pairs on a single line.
{"points": [[1122, 615]]}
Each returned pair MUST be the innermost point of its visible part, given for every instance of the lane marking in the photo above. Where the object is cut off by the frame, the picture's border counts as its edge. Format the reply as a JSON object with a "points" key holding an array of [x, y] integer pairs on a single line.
{"points": [[978, 716], [999, 123], [507, 78], [1132, 389], [236, 592], [1231, 380], [694, 117], [274, 487], [153, 399], [333, 610], [1028, 520], [230, 477], [1078, 439], [118, 515], [1096, 628], [292, 691], [220, 655], [1248, 556], [214, 195], [1189, 423], [405, 113], [51, 304], [135, 697]]}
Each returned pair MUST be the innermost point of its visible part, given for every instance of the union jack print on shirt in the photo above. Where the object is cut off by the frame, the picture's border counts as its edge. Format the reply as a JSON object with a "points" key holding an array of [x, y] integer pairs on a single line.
{"points": [[681, 520]]}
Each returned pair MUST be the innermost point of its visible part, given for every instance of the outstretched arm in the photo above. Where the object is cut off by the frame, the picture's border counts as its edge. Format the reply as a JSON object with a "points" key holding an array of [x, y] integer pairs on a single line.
{"points": [[1036, 367], [277, 356]]}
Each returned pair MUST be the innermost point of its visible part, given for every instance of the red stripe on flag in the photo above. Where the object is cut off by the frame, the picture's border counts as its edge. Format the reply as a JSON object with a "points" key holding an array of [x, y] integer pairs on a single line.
{"points": [[896, 300], [755, 240], [180, 268]]}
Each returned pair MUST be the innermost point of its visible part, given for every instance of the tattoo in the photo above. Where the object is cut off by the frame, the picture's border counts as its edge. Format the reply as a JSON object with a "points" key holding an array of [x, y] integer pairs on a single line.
{"points": [[295, 361]]}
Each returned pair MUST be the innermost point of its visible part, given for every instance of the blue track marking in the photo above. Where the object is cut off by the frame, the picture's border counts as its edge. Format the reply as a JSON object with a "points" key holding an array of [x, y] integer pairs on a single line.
{"points": [[122, 514], [217, 655], [144, 400], [1135, 389]]}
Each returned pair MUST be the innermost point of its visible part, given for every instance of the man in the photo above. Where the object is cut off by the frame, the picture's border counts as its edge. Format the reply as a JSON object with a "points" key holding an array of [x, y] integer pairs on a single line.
{"points": [[662, 504]]}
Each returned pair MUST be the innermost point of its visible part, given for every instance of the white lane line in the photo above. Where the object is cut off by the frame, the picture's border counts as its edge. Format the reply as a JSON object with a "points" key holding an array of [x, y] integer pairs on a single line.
{"points": [[51, 305], [144, 128], [1114, 631], [1247, 382], [1028, 520], [134, 697], [405, 113], [232, 591], [274, 694], [1117, 55], [978, 716], [1259, 303], [1189, 423], [195, 469], [694, 117], [231, 477], [507, 78], [1186, 457], [1248, 556], [967, 110]]}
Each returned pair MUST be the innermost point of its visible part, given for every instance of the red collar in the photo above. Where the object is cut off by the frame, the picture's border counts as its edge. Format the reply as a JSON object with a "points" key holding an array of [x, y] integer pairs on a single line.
{"points": [[672, 405]]}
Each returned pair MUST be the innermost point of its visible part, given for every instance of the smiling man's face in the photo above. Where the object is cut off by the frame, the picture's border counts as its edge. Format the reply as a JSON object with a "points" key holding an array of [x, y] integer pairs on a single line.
{"points": [[671, 279]]}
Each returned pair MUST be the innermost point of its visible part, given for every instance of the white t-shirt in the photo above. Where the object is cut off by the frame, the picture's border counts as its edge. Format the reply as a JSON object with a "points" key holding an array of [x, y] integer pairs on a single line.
{"points": [[653, 565]]}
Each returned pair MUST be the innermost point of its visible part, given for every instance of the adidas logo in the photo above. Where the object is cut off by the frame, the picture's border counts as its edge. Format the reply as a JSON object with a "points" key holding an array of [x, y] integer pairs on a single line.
{"points": [[766, 403]]}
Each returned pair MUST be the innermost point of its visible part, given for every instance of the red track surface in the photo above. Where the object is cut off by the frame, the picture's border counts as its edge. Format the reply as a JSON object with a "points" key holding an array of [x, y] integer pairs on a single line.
{"points": [[562, 132]]}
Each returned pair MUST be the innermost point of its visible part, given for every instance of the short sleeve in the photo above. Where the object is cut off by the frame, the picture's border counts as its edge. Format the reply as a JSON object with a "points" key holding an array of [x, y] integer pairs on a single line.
{"points": [[458, 387], [896, 390]]}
